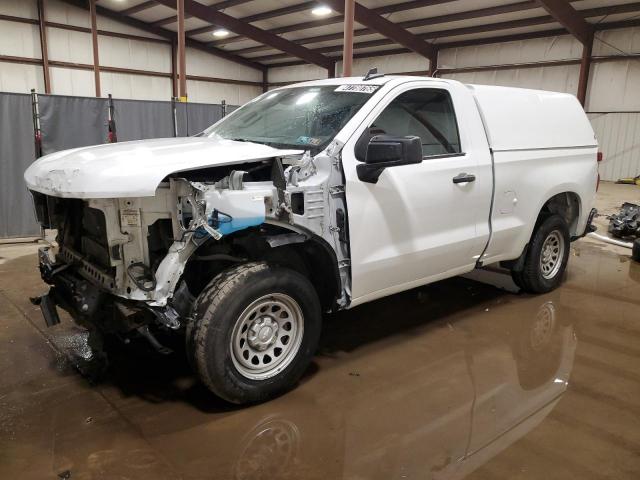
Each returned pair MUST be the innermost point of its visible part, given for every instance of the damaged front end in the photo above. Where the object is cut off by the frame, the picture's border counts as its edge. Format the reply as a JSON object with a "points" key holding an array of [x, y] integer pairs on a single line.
{"points": [[118, 265]]}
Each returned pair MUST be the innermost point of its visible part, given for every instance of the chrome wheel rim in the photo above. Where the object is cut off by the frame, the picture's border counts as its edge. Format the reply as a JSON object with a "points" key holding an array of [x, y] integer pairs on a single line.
{"points": [[267, 336], [551, 255]]}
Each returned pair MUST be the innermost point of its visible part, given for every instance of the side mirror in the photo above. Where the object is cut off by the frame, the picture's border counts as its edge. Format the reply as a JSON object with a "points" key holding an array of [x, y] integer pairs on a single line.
{"points": [[384, 151]]}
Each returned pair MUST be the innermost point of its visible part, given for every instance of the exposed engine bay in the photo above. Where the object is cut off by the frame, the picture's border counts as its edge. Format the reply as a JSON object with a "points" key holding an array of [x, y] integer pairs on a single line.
{"points": [[120, 263]]}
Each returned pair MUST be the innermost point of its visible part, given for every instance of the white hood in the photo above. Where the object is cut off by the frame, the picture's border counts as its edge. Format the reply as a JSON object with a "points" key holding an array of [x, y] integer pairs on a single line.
{"points": [[134, 169]]}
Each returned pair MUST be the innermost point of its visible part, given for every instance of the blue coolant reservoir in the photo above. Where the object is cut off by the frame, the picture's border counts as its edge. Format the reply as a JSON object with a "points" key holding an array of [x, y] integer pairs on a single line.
{"points": [[231, 210]]}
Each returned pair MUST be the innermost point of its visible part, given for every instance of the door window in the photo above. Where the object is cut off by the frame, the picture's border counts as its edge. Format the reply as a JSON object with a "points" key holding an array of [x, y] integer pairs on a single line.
{"points": [[426, 113]]}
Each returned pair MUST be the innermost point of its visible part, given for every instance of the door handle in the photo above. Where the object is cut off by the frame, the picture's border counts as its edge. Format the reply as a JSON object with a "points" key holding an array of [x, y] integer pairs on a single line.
{"points": [[464, 178]]}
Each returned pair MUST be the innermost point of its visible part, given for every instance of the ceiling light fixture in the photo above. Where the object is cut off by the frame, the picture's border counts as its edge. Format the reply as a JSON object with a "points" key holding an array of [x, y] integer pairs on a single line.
{"points": [[321, 11], [221, 32]]}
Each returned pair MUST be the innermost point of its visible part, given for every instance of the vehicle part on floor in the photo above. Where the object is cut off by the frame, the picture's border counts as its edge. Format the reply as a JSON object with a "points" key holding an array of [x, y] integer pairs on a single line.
{"points": [[630, 181], [625, 223], [612, 241]]}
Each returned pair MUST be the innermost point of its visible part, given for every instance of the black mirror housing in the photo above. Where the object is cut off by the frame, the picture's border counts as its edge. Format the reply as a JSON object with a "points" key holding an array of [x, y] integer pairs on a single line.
{"points": [[384, 151]]}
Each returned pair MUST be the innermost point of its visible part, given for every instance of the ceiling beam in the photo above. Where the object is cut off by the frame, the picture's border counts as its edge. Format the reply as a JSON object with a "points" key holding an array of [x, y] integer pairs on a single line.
{"points": [[397, 7], [152, 3], [278, 12], [168, 34], [483, 28], [217, 6], [223, 20], [485, 41], [420, 22], [138, 8], [569, 18], [377, 23]]}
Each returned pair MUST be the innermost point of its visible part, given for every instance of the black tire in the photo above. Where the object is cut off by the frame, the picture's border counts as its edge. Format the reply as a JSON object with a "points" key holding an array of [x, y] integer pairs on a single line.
{"points": [[531, 278], [635, 251], [228, 301]]}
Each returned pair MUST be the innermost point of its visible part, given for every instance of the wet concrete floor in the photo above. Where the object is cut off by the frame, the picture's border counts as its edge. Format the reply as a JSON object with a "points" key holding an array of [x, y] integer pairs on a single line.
{"points": [[460, 379]]}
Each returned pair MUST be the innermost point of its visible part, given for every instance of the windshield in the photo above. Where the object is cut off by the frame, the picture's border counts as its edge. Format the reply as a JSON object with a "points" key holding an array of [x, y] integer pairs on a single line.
{"points": [[298, 117]]}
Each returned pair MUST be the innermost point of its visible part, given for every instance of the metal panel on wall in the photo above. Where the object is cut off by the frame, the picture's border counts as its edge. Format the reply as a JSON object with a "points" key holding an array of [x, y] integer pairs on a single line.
{"points": [[619, 139], [17, 152]]}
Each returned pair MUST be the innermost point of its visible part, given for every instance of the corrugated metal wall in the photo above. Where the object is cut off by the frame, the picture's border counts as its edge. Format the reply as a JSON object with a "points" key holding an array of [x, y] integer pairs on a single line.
{"points": [[619, 137]]}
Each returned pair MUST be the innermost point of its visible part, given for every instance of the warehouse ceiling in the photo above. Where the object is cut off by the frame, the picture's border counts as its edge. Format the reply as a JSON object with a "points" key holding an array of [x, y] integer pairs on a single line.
{"points": [[312, 30]]}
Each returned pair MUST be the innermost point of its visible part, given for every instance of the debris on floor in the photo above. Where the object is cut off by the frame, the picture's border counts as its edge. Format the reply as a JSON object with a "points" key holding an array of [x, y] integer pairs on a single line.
{"points": [[625, 223]]}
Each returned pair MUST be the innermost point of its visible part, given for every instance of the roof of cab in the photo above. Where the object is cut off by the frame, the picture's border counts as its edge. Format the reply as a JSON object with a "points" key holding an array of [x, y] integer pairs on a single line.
{"points": [[381, 80]]}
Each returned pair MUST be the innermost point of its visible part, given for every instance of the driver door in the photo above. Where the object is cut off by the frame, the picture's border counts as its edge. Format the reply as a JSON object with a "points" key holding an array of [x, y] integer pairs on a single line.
{"points": [[415, 225]]}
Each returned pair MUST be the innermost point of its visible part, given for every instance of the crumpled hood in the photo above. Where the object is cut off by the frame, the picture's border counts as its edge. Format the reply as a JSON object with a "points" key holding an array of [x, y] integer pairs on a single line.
{"points": [[134, 169]]}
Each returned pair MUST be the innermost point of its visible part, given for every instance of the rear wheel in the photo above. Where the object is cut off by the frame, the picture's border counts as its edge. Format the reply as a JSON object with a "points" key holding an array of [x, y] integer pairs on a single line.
{"points": [[253, 332], [546, 258]]}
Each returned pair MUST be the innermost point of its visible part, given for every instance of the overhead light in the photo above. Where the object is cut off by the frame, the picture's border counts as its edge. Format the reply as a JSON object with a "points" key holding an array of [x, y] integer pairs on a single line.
{"points": [[321, 11], [221, 32]]}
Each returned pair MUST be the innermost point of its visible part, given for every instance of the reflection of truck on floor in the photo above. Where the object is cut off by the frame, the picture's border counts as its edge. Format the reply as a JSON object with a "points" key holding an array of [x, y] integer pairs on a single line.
{"points": [[314, 197]]}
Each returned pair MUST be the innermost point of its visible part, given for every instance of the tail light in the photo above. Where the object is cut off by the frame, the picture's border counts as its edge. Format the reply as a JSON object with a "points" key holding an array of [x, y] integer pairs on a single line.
{"points": [[599, 157]]}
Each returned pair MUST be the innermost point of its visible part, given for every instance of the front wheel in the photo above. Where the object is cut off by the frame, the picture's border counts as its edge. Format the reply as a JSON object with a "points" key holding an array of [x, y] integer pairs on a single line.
{"points": [[546, 258], [253, 332]]}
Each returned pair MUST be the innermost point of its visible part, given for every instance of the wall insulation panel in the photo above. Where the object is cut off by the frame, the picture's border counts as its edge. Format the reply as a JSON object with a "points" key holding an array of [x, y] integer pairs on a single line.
{"points": [[619, 139], [70, 81], [139, 87], [406, 62], [20, 40], [123, 53], [211, 92], [70, 46], [60, 12], [617, 42], [25, 9], [562, 47], [614, 86], [20, 78], [558, 78], [296, 73], [203, 64]]}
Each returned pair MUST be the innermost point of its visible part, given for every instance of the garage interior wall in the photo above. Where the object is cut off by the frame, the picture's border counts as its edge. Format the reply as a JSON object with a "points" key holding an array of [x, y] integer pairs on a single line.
{"points": [[23, 41]]}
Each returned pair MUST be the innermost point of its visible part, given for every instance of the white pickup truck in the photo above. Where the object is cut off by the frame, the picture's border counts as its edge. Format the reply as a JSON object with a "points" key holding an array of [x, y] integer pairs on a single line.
{"points": [[313, 197]]}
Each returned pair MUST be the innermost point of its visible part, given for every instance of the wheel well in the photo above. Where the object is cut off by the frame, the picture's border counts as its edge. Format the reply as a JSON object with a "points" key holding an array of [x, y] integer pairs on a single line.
{"points": [[565, 204], [316, 261], [313, 258]]}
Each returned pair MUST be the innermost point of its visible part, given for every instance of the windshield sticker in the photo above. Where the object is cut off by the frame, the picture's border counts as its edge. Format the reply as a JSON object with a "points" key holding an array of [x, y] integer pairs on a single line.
{"points": [[357, 88], [308, 140]]}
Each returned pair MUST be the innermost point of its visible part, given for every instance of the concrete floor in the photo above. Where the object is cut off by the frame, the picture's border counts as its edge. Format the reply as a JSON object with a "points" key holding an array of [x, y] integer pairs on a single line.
{"points": [[457, 379]]}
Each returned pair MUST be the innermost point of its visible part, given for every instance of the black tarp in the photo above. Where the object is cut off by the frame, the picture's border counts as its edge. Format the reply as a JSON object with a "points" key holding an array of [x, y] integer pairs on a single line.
{"points": [[70, 122], [142, 119], [17, 151]]}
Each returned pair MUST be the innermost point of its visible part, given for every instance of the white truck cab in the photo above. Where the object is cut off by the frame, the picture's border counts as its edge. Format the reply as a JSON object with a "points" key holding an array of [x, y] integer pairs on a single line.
{"points": [[312, 197]]}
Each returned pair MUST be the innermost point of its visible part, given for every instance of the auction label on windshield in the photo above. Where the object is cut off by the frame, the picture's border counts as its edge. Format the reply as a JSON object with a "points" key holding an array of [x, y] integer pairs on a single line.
{"points": [[357, 88]]}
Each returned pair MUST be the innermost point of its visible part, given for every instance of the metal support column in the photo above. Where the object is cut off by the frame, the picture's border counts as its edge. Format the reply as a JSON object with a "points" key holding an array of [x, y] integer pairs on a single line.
{"points": [[42, 19], [585, 67], [94, 36], [347, 52], [182, 62]]}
